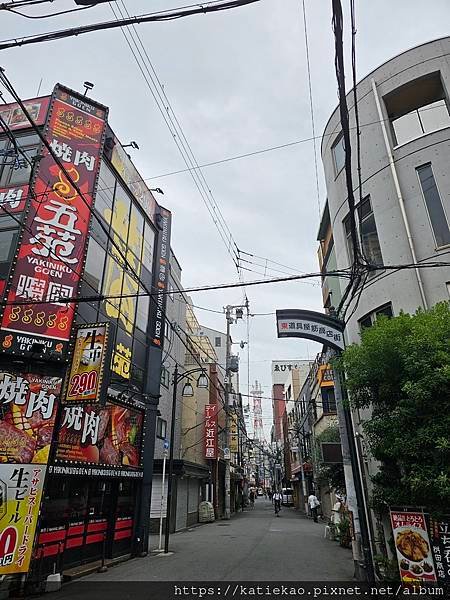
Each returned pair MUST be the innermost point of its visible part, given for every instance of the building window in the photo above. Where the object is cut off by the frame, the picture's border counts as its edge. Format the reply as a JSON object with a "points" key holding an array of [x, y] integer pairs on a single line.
{"points": [[369, 319], [161, 428], [217, 342], [368, 234], [328, 400], [417, 108], [168, 331], [165, 377], [436, 213], [8, 243], [17, 167], [338, 152]]}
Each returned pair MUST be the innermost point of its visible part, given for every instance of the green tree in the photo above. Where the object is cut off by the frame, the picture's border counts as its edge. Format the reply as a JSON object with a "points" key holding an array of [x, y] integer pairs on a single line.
{"points": [[401, 371]]}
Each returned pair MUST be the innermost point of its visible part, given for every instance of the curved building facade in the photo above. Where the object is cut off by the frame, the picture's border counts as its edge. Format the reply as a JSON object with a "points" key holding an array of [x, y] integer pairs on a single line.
{"points": [[403, 210]]}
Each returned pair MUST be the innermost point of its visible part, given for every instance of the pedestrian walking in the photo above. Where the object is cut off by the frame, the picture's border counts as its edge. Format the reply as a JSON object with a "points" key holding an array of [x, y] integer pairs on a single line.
{"points": [[314, 504], [252, 498]]}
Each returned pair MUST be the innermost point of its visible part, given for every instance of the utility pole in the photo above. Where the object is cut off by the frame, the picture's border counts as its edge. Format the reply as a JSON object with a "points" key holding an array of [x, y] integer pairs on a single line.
{"points": [[229, 318]]}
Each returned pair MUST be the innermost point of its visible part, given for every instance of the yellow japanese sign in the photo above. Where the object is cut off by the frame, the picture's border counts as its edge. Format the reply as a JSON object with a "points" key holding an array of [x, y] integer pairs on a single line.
{"points": [[88, 363], [234, 439], [121, 361], [20, 497]]}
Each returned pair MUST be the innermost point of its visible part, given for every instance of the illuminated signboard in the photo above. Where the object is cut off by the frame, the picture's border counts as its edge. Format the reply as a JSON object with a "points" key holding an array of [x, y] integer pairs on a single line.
{"points": [[88, 363], [28, 404], [107, 435], [50, 258]]}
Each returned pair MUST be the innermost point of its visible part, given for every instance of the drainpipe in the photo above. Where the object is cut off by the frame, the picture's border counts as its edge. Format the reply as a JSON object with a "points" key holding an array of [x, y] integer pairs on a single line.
{"points": [[398, 192]]}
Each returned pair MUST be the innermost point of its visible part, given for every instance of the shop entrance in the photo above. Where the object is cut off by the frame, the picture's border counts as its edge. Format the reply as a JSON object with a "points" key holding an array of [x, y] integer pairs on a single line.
{"points": [[84, 519]]}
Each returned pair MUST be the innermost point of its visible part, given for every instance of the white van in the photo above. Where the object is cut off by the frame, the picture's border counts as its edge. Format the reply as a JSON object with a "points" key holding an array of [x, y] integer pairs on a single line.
{"points": [[287, 497]]}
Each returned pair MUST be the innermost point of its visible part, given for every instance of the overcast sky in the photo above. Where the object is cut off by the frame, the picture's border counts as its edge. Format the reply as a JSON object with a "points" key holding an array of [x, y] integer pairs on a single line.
{"points": [[237, 81]]}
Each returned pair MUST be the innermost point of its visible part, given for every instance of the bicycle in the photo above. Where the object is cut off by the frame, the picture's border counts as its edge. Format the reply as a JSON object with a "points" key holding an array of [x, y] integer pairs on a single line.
{"points": [[277, 507]]}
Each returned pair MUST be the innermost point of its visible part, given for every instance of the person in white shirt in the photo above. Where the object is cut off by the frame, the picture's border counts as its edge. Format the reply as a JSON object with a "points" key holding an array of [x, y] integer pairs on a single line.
{"points": [[314, 504], [277, 497]]}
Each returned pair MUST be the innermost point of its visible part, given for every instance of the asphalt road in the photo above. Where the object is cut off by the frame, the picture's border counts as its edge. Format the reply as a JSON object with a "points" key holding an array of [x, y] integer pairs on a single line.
{"points": [[252, 546]]}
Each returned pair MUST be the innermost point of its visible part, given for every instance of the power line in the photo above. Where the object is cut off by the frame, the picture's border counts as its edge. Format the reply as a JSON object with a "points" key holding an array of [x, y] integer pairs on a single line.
{"points": [[166, 15], [311, 107]]}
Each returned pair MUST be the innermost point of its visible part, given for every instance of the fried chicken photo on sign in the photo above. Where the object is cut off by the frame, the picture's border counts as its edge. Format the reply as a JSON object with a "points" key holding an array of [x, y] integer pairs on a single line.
{"points": [[412, 545]]}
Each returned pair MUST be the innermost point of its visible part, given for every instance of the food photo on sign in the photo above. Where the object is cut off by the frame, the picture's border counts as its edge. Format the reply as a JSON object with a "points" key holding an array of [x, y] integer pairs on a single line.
{"points": [[107, 435], [28, 405], [412, 545]]}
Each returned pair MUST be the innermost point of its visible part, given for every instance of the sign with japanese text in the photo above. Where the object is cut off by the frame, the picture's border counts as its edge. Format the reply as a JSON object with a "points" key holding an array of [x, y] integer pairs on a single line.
{"points": [[439, 532], [13, 199], [325, 376], [211, 431], [51, 255], [126, 169], [20, 492], [15, 118], [311, 325], [412, 544], [28, 404], [105, 435], [234, 439], [161, 278], [88, 363]]}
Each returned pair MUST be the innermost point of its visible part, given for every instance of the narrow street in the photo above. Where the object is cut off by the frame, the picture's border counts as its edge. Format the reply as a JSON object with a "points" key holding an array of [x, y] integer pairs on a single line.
{"points": [[253, 546]]}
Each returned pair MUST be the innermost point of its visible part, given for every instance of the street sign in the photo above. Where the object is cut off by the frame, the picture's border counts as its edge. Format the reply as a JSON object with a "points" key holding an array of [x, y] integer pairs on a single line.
{"points": [[166, 444], [226, 453]]}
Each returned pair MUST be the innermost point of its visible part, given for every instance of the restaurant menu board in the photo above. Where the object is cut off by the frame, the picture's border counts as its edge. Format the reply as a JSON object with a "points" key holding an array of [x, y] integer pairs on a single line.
{"points": [[439, 531], [106, 435], [412, 544], [88, 363], [21, 491], [51, 254], [28, 404]]}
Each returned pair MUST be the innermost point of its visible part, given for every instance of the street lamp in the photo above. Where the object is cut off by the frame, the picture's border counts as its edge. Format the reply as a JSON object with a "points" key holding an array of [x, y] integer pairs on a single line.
{"points": [[202, 382], [132, 144]]}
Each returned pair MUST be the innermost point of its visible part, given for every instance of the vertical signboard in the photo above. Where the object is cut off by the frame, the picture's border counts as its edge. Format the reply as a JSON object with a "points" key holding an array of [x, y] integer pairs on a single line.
{"points": [[88, 363], [28, 404], [439, 531], [211, 431], [234, 439], [161, 277], [51, 253], [21, 491], [412, 545]]}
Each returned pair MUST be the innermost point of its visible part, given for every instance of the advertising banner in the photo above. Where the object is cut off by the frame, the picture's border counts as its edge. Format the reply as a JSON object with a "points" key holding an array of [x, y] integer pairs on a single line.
{"points": [[211, 431], [439, 531], [21, 491], [161, 278], [412, 544], [15, 118], [88, 364], [28, 404], [13, 199], [104, 435], [51, 255]]}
